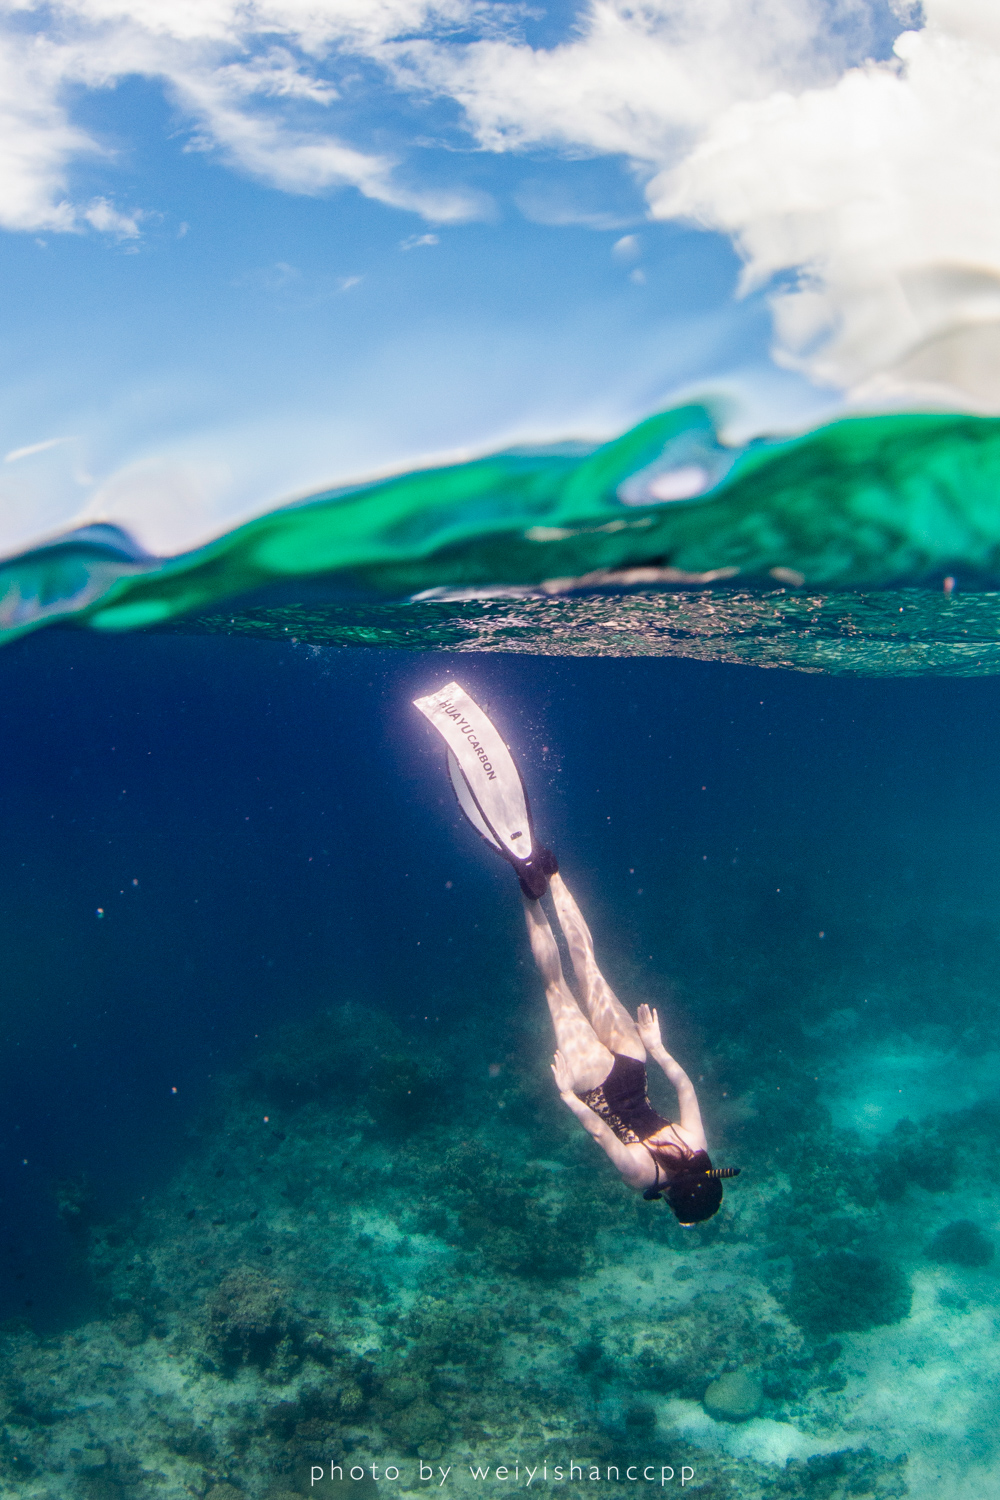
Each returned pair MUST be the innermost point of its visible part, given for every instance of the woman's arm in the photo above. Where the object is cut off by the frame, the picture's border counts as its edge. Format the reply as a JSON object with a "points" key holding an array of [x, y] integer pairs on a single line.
{"points": [[593, 1124], [648, 1026]]}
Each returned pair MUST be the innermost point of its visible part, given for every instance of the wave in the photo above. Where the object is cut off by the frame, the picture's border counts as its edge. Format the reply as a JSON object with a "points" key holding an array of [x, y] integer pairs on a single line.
{"points": [[663, 540]]}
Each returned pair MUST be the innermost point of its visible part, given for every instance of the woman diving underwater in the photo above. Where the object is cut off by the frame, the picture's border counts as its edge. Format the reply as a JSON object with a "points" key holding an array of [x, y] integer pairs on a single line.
{"points": [[600, 1065]]}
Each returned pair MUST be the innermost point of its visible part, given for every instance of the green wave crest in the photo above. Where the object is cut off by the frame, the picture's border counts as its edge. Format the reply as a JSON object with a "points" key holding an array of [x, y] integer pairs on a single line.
{"points": [[865, 503]]}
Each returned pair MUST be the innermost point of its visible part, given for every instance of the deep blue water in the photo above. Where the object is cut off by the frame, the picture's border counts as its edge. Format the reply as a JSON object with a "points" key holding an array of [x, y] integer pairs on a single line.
{"points": [[269, 828]]}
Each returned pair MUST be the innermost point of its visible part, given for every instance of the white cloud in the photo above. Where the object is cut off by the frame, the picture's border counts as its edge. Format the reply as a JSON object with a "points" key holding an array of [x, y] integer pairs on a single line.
{"points": [[627, 248], [241, 74], [879, 194], [16, 454], [863, 191], [642, 79], [273, 278], [257, 82], [313, 25], [37, 139], [104, 217]]}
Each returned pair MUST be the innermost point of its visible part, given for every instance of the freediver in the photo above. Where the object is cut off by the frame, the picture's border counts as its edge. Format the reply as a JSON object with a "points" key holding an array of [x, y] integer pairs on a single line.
{"points": [[600, 1063]]}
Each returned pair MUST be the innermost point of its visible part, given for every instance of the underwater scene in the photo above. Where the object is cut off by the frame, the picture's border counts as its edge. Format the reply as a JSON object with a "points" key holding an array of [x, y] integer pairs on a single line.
{"points": [[292, 1203], [500, 698]]}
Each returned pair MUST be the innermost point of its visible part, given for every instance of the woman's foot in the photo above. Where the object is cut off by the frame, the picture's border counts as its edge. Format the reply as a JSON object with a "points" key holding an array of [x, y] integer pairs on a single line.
{"points": [[534, 874]]}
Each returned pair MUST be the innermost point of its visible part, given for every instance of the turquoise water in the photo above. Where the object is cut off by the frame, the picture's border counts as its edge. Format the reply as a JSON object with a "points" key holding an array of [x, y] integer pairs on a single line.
{"points": [[620, 550], [287, 1184]]}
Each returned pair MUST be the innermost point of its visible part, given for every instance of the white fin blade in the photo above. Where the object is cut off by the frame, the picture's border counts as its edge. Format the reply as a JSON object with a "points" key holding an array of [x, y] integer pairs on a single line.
{"points": [[466, 801], [485, 764]]}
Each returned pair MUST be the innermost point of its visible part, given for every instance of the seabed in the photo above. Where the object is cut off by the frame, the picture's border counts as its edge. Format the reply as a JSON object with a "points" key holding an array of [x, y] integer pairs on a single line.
{"points": [[452, 1298]]}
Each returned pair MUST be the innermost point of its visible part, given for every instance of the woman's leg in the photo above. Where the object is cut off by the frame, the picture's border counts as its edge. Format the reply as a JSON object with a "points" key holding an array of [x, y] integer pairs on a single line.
{"points": [[589, 1061], [609, 1018]]}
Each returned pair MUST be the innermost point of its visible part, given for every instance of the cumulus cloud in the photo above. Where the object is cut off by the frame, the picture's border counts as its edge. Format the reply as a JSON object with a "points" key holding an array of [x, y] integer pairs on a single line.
{"points": [[876, 194], [854, 176], [642, 79], [258, 83]]}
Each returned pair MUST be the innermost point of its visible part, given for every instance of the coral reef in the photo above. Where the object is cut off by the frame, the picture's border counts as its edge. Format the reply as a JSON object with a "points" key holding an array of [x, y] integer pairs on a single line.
{"points": [[842, 1292], [960, 1243], [281, 1303], [249, 1323], [735, 1397]]}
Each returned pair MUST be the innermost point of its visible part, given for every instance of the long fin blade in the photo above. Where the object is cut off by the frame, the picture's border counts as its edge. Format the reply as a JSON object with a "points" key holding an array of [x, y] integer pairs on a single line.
{"points": [[467, 801], [486, 767]]}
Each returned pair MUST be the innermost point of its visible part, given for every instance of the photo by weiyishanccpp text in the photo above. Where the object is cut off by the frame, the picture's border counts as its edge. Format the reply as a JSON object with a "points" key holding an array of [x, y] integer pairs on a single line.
{"points": [[407, 1475]]}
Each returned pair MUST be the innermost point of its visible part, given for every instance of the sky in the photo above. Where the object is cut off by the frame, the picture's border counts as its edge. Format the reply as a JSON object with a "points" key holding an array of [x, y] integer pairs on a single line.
{"points": [[254, 248]]}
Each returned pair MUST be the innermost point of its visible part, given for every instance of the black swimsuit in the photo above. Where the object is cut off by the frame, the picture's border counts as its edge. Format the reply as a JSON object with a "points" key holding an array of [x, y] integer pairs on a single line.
{"points": [[622, 1102]]}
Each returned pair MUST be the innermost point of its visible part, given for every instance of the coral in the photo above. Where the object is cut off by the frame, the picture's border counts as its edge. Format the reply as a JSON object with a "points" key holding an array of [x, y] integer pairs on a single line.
{"points": [[960, 1243], [513, 1219], [502, 1301], [191, 1439], [248, 1322], [312, 1423], [401, 1390], [828, 1476], [842, 1292], [734, 1397], [640, 1419], [699, 1341], [130, 1329], [919, 1154], [417, 1425]]}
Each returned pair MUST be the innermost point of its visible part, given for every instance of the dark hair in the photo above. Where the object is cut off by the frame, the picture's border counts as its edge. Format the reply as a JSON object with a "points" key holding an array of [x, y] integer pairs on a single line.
{"points": [[693, 1189], [693, 1195]]}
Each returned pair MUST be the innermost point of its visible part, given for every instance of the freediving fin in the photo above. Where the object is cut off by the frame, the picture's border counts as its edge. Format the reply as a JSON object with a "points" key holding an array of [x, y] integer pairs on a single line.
{"points": [[488, 784], [467, 801]]}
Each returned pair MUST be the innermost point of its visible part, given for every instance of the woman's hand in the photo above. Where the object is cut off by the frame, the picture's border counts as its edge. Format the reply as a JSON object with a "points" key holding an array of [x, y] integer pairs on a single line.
{"points": [[647, 1023], [562, 1075]]}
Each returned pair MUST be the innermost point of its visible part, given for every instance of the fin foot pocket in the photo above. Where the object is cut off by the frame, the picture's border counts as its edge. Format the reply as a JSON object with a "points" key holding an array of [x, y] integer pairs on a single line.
{"points": [[535, 872]]}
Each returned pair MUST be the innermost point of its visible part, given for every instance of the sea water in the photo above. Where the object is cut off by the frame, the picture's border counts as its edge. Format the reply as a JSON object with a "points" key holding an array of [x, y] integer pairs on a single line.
{"points": [[291, 1204]]}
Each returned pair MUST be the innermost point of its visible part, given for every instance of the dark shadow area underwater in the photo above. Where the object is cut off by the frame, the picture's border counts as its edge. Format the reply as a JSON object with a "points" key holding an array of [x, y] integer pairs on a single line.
{"points": [[271, 1035]]}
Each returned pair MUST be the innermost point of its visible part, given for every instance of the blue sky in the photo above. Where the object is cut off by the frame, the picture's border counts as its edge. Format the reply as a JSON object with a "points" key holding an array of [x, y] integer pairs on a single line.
{"points": [[252, 249]]}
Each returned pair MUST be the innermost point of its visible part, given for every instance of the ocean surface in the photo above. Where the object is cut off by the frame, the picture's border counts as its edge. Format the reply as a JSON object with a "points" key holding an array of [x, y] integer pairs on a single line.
{"points": [[285, 1181], [870, 545]]}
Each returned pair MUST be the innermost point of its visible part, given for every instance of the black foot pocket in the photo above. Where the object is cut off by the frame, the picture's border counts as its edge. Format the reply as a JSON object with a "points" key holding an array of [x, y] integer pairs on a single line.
{"points": [[535, 872]]}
